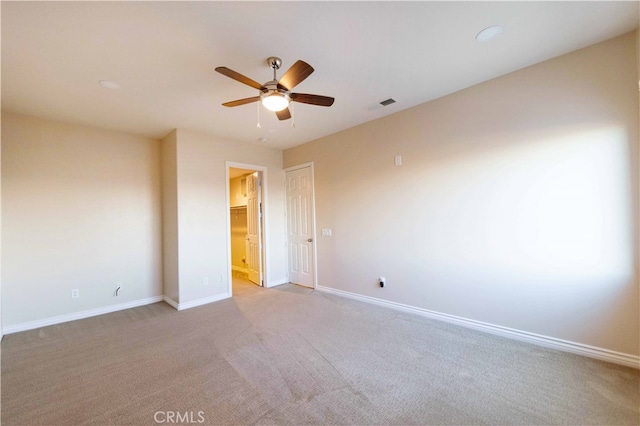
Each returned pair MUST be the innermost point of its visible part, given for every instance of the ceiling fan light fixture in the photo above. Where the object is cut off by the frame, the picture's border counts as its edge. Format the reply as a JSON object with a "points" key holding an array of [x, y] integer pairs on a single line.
{"points": [[275, 101]]}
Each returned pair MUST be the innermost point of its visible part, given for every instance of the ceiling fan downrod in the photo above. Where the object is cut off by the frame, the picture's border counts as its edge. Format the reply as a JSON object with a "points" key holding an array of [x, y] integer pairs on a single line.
{"points": [[274, 63]]}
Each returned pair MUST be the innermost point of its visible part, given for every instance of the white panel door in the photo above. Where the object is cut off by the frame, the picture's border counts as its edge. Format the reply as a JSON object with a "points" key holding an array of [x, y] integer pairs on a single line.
{"points": [[254, 234], [300, 227]]}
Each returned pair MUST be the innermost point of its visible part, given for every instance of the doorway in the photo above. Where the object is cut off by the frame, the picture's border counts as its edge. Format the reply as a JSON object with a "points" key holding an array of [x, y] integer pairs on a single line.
{"points": [[246, 226]]}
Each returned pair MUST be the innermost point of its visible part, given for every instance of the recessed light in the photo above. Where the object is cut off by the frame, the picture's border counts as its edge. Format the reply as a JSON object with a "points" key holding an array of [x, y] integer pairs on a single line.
{"points": [[489, 33], [107, 84]]}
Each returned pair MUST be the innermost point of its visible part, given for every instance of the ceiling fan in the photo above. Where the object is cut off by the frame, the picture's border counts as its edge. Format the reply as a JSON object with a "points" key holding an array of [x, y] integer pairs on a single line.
{"points": [[276, 95]]}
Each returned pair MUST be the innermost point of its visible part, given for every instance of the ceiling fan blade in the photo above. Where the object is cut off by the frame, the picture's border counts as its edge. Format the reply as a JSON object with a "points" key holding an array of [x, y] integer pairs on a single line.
{"points": [[306, 98], [285, 114], [239, 77], [295, 75], [241, 101]]}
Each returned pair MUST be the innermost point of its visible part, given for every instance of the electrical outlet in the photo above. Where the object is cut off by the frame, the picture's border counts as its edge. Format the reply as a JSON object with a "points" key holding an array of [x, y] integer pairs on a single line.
{"points": [[382, 281], [75, 293], [205, 281]]}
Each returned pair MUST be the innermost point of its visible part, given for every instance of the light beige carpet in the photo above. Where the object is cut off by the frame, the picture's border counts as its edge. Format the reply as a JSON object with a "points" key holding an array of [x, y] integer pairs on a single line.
{"points": [[293, 356]]}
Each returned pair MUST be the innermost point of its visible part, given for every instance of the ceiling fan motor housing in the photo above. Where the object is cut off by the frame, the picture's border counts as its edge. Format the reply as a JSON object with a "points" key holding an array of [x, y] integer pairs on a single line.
{"points": [[273, 87], [274, 63]]}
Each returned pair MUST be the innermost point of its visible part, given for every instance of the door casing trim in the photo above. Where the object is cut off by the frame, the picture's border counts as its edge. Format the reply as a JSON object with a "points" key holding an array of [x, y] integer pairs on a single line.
{"points": [[265, 216]]}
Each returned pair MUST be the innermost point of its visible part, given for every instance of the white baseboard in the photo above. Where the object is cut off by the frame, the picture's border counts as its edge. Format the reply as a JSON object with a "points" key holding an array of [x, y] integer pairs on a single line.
{"points": [[239, 269], [109, 309], [524, 336], [277, 283], [197, 302], [79, 315], [171, 302]]}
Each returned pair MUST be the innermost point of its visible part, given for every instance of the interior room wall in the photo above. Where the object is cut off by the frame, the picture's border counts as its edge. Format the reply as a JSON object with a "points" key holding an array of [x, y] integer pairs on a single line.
{"points": [[202, 213], [637, 170], [1, 329], [238, 191], [238, 238], [238, 221], [81, 210], [515, 204], [170, 249]]}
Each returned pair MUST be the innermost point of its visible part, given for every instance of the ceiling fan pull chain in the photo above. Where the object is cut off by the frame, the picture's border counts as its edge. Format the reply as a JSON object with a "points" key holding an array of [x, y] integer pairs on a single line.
{"points": [[293, 116], [258, 126]]}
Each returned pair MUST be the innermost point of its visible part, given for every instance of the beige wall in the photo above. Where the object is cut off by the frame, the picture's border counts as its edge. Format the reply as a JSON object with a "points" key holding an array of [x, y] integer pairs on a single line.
{"points": [[85, 209], [516, 204], [81, 210], [170, 247], [637, 213], [1, 329]]}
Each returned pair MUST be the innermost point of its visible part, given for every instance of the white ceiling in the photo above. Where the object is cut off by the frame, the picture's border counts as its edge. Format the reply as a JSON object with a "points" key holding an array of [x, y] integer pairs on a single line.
{"points": [[163, 55]]}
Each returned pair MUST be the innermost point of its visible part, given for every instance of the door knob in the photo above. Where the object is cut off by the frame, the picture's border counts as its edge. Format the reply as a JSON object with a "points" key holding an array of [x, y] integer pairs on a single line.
{"points": [[310, 240]]}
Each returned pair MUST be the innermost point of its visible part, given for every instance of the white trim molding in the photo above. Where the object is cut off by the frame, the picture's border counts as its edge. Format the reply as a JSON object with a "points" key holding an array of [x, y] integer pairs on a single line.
{"points": [[277, 283], [31, 325], [524, 336], [239, 269], [169, 301], [197, 302], [80, 315]]}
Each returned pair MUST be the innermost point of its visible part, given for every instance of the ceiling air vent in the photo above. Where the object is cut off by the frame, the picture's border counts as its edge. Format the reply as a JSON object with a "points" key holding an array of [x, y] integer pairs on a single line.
{"points": [[381, 104]]}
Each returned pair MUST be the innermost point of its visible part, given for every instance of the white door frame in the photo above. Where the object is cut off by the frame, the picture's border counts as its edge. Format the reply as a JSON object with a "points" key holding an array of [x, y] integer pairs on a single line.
{"points": [[265, 252], [313, 216]]}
